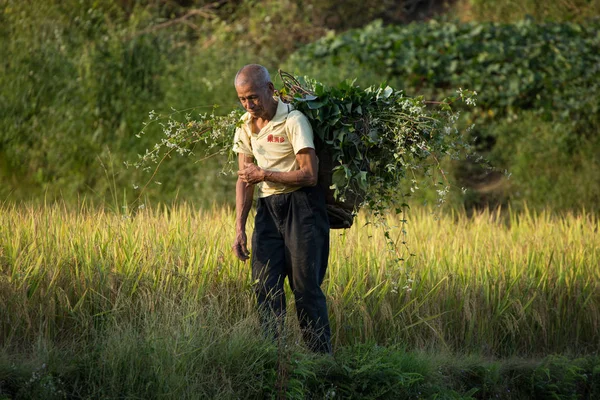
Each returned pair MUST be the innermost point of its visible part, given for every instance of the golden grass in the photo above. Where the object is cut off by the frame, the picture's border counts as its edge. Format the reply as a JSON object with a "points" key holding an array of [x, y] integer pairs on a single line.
{"points": [[497, 284]]}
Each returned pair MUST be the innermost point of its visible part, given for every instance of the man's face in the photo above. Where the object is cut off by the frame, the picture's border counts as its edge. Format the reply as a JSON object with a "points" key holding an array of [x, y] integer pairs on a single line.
{"points": [[256, 99]]}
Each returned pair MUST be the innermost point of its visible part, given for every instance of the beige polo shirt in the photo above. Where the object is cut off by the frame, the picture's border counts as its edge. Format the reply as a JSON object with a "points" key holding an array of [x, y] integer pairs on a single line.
{"points": [[275, 147]]}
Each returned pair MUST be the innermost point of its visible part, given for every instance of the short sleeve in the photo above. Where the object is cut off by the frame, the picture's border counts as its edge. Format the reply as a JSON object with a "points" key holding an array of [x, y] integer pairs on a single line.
{"points": [[299, 131], [241, 142]]}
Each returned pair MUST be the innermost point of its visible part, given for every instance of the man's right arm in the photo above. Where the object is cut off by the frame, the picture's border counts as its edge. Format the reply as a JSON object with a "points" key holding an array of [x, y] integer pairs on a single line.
{"points": [[244, 194]]}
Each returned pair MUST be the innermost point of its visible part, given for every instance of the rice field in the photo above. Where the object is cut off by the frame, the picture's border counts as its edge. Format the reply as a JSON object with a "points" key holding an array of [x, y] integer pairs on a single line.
{"points": [[496, 283]]}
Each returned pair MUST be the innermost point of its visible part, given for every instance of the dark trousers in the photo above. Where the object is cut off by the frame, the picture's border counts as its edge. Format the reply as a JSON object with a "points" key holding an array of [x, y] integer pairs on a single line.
{"points": [[291, 239]]}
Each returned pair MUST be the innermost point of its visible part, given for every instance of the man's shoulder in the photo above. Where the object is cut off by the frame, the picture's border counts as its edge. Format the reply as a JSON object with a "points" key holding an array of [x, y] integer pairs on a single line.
{"points": [[244, 128], [246, 117], [296, 115], [299, 125]]}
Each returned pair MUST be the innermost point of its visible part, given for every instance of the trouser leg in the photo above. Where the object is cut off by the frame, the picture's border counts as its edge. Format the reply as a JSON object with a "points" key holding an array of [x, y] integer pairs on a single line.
{"points": [[268, 271], [307, 252], [291, 237]]}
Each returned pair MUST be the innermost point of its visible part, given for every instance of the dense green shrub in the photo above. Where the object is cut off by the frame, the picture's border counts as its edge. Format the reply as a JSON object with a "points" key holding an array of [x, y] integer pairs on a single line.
{"points": [[125, 363], [538, 89], [78, 81], [69, 88], [513, 67]]}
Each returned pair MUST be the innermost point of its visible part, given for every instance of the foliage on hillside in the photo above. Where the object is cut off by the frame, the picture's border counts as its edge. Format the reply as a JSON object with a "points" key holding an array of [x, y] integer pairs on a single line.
{"points": [[527, 75], [77, 82], [79, 77], [550, 68]]}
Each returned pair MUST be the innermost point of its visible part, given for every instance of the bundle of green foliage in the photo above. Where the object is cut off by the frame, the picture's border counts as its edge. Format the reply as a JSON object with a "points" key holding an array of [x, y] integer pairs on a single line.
{"points": [[369, 141]]}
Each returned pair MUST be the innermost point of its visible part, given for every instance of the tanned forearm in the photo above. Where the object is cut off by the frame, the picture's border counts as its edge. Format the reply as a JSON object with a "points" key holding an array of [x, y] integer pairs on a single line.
{"points": [[296, 178], [244, 194]]}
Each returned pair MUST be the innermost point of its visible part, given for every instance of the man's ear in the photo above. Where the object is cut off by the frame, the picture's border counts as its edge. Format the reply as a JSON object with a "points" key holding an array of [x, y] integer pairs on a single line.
{"points": [[271, 87]]}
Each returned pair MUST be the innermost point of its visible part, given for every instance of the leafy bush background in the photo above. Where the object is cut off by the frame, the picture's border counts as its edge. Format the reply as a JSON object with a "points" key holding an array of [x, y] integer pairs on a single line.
{"points": [[78, 79], [538, 103]]}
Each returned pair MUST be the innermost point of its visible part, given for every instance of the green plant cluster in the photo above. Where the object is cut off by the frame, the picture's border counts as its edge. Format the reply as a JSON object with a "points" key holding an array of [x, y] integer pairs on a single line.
{"points": [[184, 134], [374, 138], [123, 363], [553, 68], [369, 141]]}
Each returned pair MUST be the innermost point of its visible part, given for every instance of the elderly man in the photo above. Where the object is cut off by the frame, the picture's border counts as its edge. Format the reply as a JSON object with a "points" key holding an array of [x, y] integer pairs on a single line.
{"points": [[291, 232]]}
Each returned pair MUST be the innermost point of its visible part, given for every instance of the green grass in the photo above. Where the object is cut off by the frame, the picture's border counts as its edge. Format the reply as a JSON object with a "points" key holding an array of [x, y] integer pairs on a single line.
{"points": [[154, 305]]}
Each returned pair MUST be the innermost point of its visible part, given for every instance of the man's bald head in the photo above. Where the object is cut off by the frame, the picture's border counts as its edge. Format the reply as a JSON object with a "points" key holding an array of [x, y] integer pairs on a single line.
{"points": [[253, 74], [255, 91]]}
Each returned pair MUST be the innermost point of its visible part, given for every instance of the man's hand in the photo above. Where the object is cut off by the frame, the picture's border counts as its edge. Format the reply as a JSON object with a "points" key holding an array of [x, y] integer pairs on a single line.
{"points": [[251, 174], [306, 175], [240, 248]]}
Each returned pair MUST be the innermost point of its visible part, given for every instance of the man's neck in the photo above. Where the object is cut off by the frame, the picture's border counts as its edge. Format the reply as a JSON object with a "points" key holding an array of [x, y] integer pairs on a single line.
{"points": [[269, 115]]}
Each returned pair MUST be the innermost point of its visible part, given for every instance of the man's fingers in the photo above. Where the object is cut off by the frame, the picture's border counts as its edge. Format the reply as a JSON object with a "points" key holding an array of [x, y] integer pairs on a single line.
{"points": [[241, 251], [245, 251], [245, 170], [249, 174], [243, 176], [240, 255]]}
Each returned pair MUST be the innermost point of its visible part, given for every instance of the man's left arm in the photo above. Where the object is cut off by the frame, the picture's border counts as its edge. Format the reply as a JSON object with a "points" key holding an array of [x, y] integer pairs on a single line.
{"points": [[306, 175]]}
